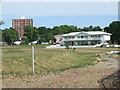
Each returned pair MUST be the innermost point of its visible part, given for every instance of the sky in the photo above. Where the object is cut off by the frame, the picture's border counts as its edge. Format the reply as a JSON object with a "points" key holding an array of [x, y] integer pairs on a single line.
{"points": [[50, 14], [60, 0]]}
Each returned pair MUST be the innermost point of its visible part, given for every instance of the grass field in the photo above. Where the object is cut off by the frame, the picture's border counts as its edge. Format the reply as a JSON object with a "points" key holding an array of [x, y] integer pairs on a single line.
{"points": [[16, 60]]}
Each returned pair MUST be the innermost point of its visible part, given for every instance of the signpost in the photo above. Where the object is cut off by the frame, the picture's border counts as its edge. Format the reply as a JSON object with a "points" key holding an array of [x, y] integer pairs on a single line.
{"points": [[33, 70]]}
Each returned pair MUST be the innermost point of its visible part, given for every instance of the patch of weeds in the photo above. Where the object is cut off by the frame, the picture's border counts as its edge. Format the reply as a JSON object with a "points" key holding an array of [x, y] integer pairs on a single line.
{"points": [[14, 51], [15, 73], [104, 60], [110, 56], [97, 55], [14, 57], [109, 64], [70, 67]]}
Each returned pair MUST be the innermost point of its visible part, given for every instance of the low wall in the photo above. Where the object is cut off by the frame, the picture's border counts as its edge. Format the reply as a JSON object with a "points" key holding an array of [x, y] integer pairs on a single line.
{"points": [[53, 46]]}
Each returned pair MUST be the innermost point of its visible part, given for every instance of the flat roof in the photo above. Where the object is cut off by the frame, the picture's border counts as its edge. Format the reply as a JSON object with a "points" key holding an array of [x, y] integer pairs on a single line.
{"points": [[89, 33]]}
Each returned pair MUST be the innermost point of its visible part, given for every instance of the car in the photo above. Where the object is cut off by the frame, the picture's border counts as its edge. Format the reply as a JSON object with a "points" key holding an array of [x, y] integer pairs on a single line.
{"points": [[17, 42]]}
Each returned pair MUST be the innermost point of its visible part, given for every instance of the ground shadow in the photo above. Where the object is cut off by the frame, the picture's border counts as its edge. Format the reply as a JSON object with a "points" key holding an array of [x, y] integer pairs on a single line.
{"points": [[111, 81]]}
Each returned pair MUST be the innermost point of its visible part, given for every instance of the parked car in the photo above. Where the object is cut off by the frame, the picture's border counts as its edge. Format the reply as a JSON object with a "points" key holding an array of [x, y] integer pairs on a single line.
{"points": [[17, 42], [3, 44], [44, 43]]}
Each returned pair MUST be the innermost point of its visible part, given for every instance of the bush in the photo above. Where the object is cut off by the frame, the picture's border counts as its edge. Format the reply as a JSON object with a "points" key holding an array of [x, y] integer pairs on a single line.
{"points": [[67, 47], [24, 44], [74, 49]]}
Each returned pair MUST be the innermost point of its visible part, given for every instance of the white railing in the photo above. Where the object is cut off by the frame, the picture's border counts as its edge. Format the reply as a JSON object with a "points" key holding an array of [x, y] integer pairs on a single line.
{"points": [[81, 39]]}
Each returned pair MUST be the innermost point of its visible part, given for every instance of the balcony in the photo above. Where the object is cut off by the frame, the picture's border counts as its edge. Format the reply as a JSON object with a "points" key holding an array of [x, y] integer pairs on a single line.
{"points": [[82, 39]]}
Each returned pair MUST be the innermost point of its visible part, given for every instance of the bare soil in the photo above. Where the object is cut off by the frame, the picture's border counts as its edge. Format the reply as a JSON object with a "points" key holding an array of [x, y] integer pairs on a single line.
{"points": [[73, 78]]}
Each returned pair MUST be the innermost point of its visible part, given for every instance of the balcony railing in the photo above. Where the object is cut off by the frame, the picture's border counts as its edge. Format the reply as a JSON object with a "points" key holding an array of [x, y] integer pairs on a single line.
{"points": [[75, 39]]}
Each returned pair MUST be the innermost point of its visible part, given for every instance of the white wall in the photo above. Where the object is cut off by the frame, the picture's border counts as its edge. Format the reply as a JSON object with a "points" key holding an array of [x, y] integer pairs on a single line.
{"points": [[106, 37]]}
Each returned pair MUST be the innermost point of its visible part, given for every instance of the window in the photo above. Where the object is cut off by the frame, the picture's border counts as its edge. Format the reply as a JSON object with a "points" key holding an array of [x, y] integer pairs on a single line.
{"points": [[93, 36], [78, 36], [72, 37], [65, 37], [86, 36], [82, 36], [99, 36]]}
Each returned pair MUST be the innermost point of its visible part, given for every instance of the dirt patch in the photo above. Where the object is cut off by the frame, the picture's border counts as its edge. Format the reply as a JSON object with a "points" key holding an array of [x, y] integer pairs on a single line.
{"points": [[73, 78]]}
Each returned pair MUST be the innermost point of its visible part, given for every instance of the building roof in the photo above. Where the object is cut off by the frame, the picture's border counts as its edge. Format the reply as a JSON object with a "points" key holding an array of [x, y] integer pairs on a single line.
{"points": [[97, 32], [89, 33], [71, 34]]}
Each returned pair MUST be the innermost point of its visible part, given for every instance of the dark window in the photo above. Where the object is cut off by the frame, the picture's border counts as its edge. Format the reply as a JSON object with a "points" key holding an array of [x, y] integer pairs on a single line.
{"points": [[99, 35], [86, 36], [82, 36], [93, 36], [73, 37], [78, 36]]}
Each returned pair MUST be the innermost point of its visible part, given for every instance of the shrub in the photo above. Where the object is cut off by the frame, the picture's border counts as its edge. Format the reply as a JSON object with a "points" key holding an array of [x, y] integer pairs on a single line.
{"points": [[67, 47]]}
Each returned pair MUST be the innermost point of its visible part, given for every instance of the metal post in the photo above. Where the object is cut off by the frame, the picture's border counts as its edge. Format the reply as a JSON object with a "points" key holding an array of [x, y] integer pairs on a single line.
{"points": [[33, 59]]}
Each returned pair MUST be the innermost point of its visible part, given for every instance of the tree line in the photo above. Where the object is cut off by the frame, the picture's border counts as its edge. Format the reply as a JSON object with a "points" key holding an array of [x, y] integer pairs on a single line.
{"points": [[44, 34]]}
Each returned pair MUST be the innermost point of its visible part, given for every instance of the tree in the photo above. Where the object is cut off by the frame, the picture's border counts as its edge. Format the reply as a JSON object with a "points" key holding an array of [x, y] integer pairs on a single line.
{"points": [[1, 22], [45, 34], [63, 29], [85, 29], [31, 33], [90, 28], [114, 29], [97, 28], [0, 35], [9, 35], [25, 41]]}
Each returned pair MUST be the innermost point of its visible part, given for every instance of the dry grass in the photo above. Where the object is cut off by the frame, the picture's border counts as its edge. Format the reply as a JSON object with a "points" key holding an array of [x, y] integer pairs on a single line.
{"points": [[16, 60]]}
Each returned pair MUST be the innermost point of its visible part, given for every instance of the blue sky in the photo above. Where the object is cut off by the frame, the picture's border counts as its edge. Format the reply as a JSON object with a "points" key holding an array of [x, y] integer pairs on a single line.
{"points": [[50, 14]]}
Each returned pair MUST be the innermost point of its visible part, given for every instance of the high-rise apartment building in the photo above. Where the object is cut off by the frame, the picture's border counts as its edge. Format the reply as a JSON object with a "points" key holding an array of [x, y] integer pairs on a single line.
{"points": [[19, 25]]}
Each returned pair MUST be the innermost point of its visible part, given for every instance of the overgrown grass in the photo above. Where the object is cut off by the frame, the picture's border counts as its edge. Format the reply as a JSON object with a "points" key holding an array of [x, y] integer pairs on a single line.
{"points": [[104, 60], [16, 60]]}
